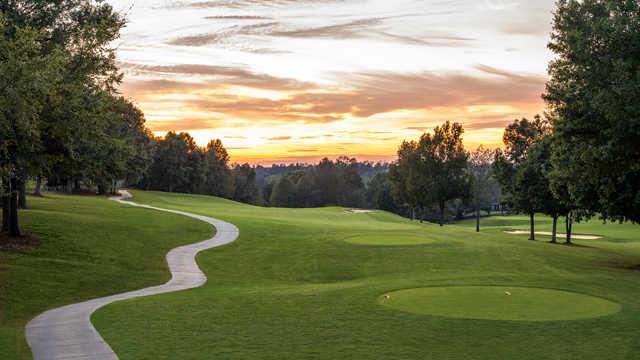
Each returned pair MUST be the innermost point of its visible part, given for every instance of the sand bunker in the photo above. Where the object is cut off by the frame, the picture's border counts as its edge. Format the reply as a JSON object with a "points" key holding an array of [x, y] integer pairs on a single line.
{"points": [[361, 211], [559, 235]]}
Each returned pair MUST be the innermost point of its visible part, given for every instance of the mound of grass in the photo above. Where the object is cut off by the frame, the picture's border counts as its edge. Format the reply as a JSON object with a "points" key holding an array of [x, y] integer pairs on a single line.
{"points": [[291, 288], [88, 247], [499, 303]]}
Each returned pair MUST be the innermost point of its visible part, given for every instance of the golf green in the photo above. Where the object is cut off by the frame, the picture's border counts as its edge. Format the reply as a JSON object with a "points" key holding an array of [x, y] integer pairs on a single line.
{"points": [[391, 239], [499, 303]]}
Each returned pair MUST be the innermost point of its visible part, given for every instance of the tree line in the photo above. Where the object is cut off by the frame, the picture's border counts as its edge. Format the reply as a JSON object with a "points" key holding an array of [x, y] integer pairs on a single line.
{"points": [[578, 161], [63, 122], [178, 164]]}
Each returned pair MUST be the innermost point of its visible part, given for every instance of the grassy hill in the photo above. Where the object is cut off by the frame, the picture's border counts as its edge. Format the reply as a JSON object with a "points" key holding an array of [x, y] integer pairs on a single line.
{"points": [[307, 284], [312, 284], [90, 247]]}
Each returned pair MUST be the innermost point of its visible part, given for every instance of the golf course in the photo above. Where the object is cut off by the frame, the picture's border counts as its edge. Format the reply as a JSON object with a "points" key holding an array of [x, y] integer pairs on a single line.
{"points": [[324, 283]]}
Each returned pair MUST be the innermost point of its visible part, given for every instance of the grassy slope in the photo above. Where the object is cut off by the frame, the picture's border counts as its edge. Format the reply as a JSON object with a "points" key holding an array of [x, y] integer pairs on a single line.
{"points": [[290, 288], [90, 247]]}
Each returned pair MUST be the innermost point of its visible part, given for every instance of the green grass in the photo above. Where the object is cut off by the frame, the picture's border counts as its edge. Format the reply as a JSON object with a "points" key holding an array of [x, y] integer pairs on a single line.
{"points": [[91, 247], [499, 303], [390, 238], [293, 287]]}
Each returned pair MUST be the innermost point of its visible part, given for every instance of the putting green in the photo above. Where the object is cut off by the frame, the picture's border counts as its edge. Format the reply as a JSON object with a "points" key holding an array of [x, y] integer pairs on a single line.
{"points": [[499, 303], [389, 240]]}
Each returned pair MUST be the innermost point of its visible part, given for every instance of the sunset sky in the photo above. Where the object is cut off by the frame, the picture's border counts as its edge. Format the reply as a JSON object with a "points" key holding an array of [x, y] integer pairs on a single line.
{"points": [[296, 80]]}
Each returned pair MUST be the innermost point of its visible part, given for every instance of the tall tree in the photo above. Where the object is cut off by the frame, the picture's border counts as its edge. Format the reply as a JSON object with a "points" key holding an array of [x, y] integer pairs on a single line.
{"points": [[219, 180], [518, 138], [405, 177], [283, 194], [380, 193], [45, 114], [482, 181], [443, 165], [172, 163], [245, 188], [593, 91], [433, 170], [26, 77]]}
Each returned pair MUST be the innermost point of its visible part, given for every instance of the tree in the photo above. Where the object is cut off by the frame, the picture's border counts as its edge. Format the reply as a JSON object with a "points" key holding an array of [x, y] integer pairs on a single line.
{"points": [[351, 190], [55, 60], [26, 75], [283, 194], [219, 180], [593, 91], [245, 189], [380, 193], [405, 179], [325, 183], [173, 163], [539, 192], [442, 165], [482, 181], [433, 170], [519, 184]]}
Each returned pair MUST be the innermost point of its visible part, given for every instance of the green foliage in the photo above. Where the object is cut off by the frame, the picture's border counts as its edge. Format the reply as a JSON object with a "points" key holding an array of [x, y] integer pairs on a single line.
{"points": [[219, 180], [245, 189], [433, 170], [484, 187], [380, 193], [328, 183], [593, 92], [283, 194], [518, 138]]}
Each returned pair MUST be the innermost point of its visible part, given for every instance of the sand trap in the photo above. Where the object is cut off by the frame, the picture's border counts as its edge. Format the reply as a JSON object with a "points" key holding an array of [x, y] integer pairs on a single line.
{"points": [[499, 303], [361, 211], [559, 235]]}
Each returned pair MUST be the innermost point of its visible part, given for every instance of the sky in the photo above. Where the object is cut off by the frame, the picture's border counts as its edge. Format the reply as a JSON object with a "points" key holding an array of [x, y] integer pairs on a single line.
{"points": [[283, 81]]}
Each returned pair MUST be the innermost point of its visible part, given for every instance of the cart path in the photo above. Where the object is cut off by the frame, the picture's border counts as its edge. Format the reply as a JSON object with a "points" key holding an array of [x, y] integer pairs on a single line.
{"points": [[66, 333]]}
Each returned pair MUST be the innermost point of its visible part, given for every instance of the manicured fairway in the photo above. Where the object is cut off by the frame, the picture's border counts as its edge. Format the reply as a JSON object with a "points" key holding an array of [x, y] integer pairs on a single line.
{"points": [[499, 303], [91, 247], [294, 287], [389, 238]]}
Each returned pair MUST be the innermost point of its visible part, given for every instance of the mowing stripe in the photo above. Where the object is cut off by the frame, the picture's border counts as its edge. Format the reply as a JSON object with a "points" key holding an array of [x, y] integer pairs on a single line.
{"points": [[66, 333]]}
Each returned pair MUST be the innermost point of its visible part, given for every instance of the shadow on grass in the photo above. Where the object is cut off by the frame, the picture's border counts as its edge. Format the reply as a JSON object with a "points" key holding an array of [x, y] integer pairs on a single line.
{"points": [[18, 244]]}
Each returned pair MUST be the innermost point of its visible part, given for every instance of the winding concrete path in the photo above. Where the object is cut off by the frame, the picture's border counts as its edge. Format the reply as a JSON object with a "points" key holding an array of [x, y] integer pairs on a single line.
{"points": [[67, 333]]}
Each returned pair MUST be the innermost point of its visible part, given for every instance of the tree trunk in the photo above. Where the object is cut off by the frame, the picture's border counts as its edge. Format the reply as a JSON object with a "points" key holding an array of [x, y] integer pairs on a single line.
{"points": [[477, 219], [22, 194], [442, 213], [68, 187], [554, 234], [569, 225], [38, 189], [5, 213], [532, 234], [14, 229]]}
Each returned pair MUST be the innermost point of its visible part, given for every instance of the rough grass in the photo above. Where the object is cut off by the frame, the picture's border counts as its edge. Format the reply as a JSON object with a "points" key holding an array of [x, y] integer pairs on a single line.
{"points": [[89, 247], [291, 287]]}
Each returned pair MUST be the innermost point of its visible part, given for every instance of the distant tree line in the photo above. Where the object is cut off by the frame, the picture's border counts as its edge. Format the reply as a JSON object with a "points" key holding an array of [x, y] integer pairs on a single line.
{"points": [[178, 164]]}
